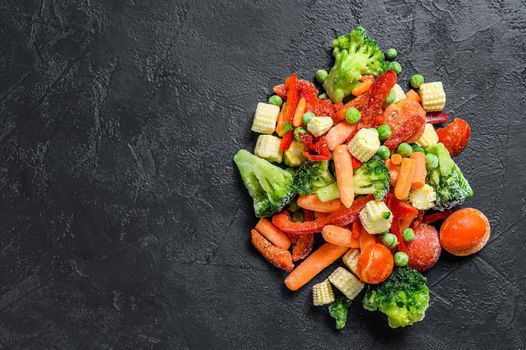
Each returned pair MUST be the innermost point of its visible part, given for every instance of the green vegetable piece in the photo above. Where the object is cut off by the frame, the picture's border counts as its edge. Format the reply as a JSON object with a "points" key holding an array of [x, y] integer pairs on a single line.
{"points": [[328, 193], [386, 214], [396, 67], [275, 100], [270, 187], [390, 98], [384, 131], [291, 171], [391, 54], [372, 177], [401, 259], [416, 148], [408, 234], [286, 128], [404, 149], [431, 161], [307, 117], [416, 80], [384, 152], [338, 310], [322, 96], [321, 75], [297, 216], [311, 176], [355, 55], [389, 240], [353, 116], [403, 297], [450, 185], [298, 132]]}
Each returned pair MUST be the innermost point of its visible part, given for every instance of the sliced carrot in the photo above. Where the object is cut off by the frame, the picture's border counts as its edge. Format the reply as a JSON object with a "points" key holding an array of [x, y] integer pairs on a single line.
{"points": [[273, 234], [318, 215], [282, 118], [312, 202], [366, 239], [393, 171], [362, 87], [314, 264], [298, 114], [339, 236], [344, 174], [419, 178], [396, 159], [338, 134], [405, 177], [412, 95]]}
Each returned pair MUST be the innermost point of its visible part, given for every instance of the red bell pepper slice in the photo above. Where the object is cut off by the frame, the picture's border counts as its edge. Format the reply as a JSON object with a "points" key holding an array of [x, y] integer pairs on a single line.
{"points": [[286, 140], [380, 88], [400, 210], [436, 117], [431, 218], [315, 149], [346, 216], [303, 247]]}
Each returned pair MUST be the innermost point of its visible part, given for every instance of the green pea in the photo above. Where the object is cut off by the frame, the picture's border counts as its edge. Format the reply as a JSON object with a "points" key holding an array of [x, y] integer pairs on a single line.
{"points": [[404, 149], [416, 80], [275, 100], [396, 67], [298, 132], [416, 148], [408, 234], [293, 207], [353, 116], [401, 259], [322, 96], [389, 240], [390, 98], [307, 117], [297, 216], [383, 152], [321, 75], [384, 131], [431, 161], [391, 54]]}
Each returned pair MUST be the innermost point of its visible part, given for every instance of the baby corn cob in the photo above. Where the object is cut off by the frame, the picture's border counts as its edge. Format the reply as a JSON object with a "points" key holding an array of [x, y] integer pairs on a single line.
{"points": [[267, 147], [350, 259], [322, 293], [376, 217], [364, 144], [433, 96], [429, 137], [346, 283], [265, 118]]}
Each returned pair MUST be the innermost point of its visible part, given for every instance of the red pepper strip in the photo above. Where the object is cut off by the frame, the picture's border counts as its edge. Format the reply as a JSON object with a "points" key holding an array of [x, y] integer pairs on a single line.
{"points": [[308, 215], [357, 102], [292, 100], [293, 238], [399, 210], [418, 220], [324, 108], [403, 131], [304, 246], [380, 88], [356, 229], [280, 90], [278, 257], [431, 218], [315, 149], [286, 140], [355, 163], [345, 216], [436, 117]]}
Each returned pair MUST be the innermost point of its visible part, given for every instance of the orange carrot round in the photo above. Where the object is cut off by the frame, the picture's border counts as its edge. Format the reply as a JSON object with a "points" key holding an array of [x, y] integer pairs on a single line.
{"points": [[405, 177], [313, 265], [339, 236], [419, 178], [273, 234], [312, 202], [344, 174], [396, 159]]}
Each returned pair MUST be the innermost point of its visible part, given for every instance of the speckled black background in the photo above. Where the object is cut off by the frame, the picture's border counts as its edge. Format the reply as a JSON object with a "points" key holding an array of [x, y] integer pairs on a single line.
{"points": [[123, 224]]}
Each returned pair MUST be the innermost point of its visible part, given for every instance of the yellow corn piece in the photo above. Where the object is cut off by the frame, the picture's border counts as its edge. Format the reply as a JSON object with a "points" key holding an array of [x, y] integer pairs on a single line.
{"points": [[423, 198], [398, 92], [319, 125], [293, 156], [350, 259], [429, 137], [376, 217], [364, 144], [346, 283], [322, 293], [433, 96], [265, 118], [267, 147]]}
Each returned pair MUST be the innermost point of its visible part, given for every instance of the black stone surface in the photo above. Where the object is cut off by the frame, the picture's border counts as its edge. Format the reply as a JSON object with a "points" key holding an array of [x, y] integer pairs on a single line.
{"points": [[123, 224]]}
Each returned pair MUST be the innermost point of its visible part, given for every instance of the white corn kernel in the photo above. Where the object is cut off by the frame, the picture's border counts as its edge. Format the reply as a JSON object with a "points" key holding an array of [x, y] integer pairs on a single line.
{"points": [[376, 217], [322, 293], [346, 283], [433, 96], [319, 125], [265, 118], [423, 198], [267, 147], [364, 144], [429, 137], [293, 156]]}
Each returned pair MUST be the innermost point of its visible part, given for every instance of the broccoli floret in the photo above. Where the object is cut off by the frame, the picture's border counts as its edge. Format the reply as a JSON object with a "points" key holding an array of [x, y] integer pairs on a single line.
{"points": [[447, 180], [311, 176], [355, 54], [403, 297], [372, 177], [269, 186], [339, 310]]}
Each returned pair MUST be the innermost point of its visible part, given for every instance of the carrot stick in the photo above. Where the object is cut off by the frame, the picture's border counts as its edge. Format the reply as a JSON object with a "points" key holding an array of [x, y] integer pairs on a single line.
{"points": [[405, 177], [412, 95], [339, 236], [366, 239], [314, 264], [362, 88], [273, 234], [393, 171], [396, 159], [282, 118], [419, 178], [338, 134], [312, 202], [344, 174], [298, 114]]}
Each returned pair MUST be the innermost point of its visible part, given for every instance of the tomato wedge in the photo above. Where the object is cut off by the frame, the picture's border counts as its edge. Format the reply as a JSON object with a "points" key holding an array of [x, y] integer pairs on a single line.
{"points": [[455, 136], [407, 120]]}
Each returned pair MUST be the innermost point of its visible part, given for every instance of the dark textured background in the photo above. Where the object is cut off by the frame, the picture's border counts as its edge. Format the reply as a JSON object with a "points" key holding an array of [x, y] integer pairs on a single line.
{"points": [[122, 221]]}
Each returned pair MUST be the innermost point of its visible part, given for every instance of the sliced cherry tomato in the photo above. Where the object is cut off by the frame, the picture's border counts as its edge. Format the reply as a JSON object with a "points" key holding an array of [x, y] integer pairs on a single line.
{"points": [[406, 120], [424, 250], [375, 264], [465, 232], [455, 136], [436, 117]]}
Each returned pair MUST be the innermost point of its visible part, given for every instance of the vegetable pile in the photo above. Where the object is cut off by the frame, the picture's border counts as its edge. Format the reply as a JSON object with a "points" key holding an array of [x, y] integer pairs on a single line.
{"points": [[365, 166]]}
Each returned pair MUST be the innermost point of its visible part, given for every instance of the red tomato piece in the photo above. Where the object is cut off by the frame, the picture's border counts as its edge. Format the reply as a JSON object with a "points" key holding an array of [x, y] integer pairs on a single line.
{"points": [[407, 121], [455, 136], [424, 250], [375, 263]]}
